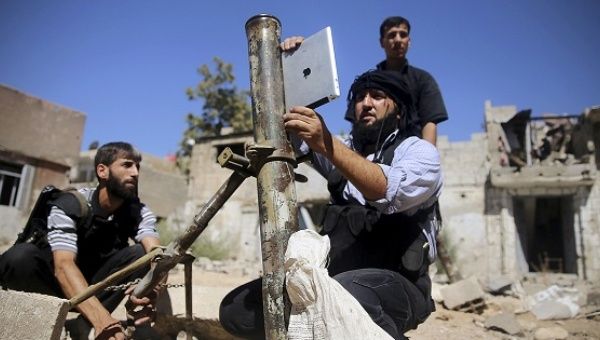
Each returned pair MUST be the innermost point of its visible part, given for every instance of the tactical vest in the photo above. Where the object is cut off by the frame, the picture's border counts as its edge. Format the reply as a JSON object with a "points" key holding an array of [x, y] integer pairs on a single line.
{"points": [[361, 237], [70, 200], [98, 238]]}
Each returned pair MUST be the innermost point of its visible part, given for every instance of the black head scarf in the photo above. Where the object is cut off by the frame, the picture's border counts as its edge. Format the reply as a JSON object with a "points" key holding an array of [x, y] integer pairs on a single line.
{"points": [[392, 83]]}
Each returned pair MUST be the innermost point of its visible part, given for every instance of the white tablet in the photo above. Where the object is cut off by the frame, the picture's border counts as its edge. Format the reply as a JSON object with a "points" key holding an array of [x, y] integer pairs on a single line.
{"points": [[309, 73]]}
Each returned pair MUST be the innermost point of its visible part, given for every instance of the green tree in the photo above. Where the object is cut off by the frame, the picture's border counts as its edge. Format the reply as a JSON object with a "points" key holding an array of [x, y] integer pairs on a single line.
{"points": [[224, 105]]}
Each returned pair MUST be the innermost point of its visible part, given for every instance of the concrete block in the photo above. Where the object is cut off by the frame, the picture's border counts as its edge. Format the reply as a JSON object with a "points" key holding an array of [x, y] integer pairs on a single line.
{"points": [[504, 322], [499, 284], [31, 316], [461, 292]]}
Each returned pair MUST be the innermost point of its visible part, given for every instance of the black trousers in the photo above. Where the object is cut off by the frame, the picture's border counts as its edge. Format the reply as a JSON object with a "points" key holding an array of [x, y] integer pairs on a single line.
{"points": [[27, 268], [393, 302]]}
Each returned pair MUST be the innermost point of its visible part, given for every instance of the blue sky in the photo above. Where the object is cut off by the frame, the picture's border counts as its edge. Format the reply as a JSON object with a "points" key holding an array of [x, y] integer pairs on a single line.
{"points": [[126, 64]]}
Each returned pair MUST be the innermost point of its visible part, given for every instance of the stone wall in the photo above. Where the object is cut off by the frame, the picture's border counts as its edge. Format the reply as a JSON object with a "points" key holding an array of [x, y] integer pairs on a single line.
{"points": [[41, 138], [38, 128], [462, 203]]}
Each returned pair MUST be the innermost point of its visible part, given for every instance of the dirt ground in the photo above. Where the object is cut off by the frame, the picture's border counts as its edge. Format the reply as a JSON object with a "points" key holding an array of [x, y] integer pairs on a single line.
{"points": [[442, 324], [210, 286], [451, 325]]}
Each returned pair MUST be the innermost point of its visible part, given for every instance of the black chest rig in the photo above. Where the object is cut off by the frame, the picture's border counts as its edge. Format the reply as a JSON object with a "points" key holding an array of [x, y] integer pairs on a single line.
{"points": [[102, 237], [361, 237]]}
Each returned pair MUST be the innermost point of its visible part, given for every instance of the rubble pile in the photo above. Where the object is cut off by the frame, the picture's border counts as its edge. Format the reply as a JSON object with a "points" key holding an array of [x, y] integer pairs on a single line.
{"points": [[538, 306]]}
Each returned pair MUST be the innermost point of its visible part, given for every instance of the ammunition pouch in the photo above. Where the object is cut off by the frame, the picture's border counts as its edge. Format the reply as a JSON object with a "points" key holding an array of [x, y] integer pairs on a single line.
{"points": [[361, 237]]}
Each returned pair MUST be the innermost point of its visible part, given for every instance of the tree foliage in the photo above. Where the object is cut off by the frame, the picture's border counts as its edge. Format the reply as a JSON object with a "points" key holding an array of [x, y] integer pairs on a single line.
{"points": [[224, 105]]}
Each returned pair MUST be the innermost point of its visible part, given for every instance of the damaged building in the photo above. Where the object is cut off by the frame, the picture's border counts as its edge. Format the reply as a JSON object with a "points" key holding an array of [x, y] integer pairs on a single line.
{"points": [[521, 197], [32, 153], [524, 196], [40, 145]]}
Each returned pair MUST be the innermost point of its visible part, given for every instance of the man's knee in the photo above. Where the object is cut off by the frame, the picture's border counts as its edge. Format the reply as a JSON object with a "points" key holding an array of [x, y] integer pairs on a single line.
{"points": [[360, 284], [27, 268], [131, 254], [240, 312], [135, 251], [368, 278], [384, 296], [20, 259]]}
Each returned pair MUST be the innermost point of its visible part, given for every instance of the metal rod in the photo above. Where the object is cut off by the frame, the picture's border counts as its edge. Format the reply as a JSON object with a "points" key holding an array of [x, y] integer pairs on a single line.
{"points": [[187, 272], [275, 178], [176, 249], [114, 277]]}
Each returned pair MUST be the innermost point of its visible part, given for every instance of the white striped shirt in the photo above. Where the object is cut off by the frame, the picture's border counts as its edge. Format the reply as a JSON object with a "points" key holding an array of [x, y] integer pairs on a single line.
{"points": [[62, 233]]}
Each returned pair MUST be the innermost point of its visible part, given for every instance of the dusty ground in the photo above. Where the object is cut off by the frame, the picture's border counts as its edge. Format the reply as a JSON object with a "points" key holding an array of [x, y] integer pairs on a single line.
{"points": [[451, 325], [210, 287], [212, 282]]}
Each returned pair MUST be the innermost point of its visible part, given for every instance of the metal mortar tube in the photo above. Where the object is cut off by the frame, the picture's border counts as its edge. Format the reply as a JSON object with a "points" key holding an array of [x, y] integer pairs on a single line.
{"points": [[275, 178]]}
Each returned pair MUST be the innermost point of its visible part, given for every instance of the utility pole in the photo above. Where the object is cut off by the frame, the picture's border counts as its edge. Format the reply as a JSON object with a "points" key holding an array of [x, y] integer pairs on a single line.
{"points": [[275, 160]]}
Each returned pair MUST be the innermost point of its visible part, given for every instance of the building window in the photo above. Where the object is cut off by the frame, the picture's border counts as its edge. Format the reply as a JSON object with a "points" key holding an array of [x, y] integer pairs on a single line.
{"points": [[10, 178]]}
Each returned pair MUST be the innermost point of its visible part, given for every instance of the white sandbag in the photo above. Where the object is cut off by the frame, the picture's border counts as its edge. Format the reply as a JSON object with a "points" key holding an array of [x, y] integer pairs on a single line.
{"points": [[321, 307]]}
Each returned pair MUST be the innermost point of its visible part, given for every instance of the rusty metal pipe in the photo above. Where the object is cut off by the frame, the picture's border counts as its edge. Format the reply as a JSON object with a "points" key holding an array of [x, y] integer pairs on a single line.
{"points": [[176, 249], [275, 177]]}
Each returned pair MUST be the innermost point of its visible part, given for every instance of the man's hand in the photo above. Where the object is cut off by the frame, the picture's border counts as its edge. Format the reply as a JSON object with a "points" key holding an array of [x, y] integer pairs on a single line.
{"points": [[72, 282], [113, 331], [291, 44], [366, 176], [141, 310], [309, 126]]}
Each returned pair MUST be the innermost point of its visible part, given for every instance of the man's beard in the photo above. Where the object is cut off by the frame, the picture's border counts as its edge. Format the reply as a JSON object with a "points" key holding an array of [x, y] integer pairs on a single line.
{"points": [[121, 190], [366, 136]]}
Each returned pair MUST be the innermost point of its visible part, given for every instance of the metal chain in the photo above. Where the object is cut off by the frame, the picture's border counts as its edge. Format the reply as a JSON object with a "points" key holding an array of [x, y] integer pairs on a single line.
{"points": [[172, 285], [136, 281], [123, 286]]}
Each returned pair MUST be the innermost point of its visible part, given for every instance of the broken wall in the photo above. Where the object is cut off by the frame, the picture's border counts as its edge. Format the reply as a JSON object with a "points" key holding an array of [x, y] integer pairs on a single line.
{"points": [[465, 168], [565, 179], [487, 207]]}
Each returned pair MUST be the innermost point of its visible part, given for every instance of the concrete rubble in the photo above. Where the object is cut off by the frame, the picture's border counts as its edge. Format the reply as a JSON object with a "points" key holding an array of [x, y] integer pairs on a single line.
{"points": [[554, 303], [538, 306], [499, 284], [504, 322], [462, 294]]}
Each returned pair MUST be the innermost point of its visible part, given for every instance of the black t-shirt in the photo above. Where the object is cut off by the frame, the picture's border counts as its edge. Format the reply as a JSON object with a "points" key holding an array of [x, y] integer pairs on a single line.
{"points": [[425, 92]]}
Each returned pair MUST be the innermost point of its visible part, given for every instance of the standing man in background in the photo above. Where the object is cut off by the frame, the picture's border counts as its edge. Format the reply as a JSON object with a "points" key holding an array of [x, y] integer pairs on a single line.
{"points": [[394, 38]]}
